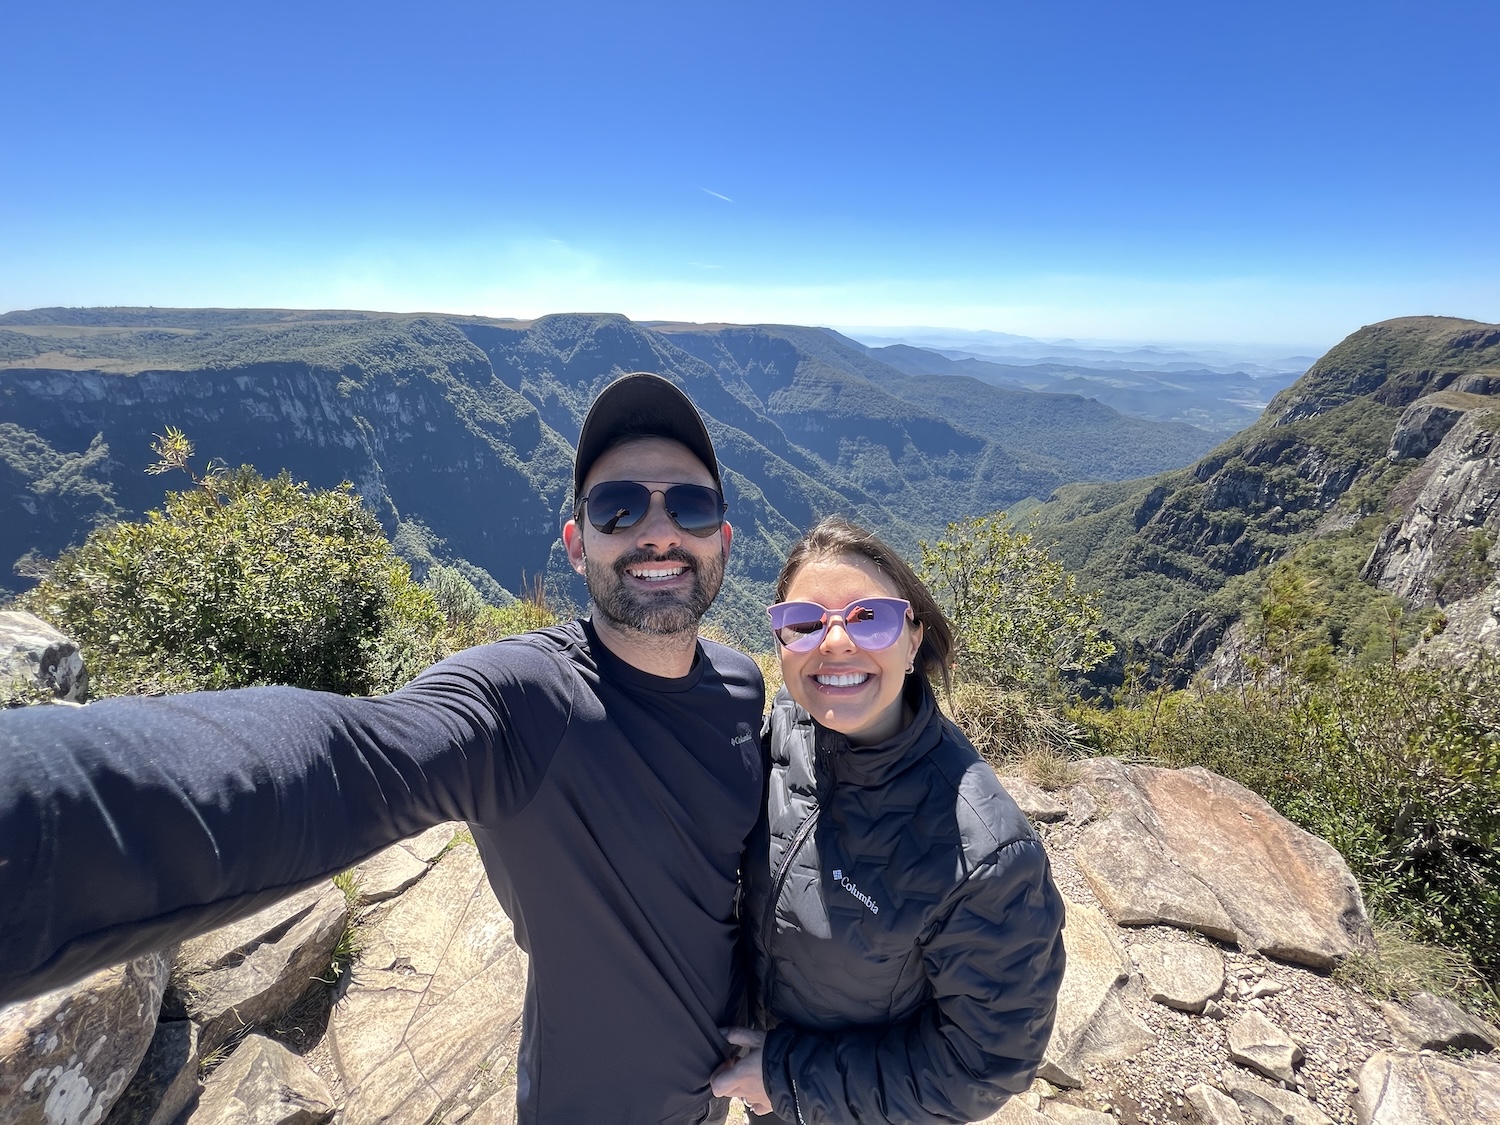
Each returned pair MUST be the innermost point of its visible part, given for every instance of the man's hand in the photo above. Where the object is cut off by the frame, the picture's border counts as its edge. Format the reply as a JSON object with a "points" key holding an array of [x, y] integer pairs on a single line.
{"points": [[742, 1078]]}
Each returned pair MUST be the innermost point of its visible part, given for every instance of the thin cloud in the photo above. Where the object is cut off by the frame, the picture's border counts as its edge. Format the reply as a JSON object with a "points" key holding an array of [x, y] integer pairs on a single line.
{"points": [[716, 195]]}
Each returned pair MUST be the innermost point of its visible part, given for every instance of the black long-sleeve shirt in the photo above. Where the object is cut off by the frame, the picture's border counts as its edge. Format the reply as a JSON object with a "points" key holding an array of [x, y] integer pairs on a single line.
{"points": [[610, 807]]}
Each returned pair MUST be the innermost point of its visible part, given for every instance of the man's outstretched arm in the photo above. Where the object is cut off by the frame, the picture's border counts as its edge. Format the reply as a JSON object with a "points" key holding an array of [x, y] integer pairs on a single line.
{"points": [[132, 823]]}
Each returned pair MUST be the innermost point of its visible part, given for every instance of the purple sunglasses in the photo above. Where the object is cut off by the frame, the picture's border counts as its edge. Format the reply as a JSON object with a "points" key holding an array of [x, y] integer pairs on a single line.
{"points": [[872, 623]]}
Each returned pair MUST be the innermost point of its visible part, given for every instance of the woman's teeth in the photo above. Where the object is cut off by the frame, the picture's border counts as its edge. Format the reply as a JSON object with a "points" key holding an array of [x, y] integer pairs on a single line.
{"points": [[845, 679]]}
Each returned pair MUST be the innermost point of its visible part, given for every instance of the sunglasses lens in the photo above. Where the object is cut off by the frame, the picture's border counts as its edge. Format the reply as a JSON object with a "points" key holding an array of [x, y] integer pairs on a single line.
{"points": [[875, 624], [798, 625], [615, 505], [872, 624], [695, 508]]}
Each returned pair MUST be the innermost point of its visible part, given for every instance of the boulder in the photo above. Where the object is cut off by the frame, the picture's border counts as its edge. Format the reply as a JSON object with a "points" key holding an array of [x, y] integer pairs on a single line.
{"points": [[1256, 1042], [67, 1055], [263, 1083], [427, 1022], [1176, 841], [1179, 974], [37, 655], [1093, 1024], [253, 970], [1264, 1104], [1039, 806], [1213, 1106], [166, 1081], [1429, 1022], [1401, 1088], [1139, 884]]}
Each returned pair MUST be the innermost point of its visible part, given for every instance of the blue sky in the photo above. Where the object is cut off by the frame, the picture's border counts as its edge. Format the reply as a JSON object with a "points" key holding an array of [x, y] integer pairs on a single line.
{"points": [[1275, 173]]}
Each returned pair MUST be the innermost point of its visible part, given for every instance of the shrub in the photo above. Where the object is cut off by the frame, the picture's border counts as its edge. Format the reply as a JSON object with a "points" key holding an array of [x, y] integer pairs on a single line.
{"points": [[1017, 614], [237, 581]]}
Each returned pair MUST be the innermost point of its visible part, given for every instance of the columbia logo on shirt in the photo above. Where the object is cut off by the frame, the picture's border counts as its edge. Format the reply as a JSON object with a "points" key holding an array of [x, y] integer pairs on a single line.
{"points": [[848, 885]]}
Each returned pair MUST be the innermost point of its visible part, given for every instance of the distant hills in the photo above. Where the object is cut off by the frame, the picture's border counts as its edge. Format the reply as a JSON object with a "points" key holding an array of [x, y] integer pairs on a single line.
{"points": [[1169, 386], [457, 431], [1328, 471]]}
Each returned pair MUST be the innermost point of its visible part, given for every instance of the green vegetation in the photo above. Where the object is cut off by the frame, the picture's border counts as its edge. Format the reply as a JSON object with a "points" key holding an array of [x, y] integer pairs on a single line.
{"points": [[241, 580], [1017, 615]]}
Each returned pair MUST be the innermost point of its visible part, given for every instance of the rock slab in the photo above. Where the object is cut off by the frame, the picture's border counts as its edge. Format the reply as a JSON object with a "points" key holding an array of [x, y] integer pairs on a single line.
{"points": [[263, 1083], [428, 1017], [67, 1055], [1401, 1088]]}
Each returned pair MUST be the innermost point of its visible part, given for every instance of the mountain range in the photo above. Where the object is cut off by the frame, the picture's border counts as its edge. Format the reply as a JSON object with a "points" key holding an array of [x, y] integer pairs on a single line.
{"points": [[457, 431]]}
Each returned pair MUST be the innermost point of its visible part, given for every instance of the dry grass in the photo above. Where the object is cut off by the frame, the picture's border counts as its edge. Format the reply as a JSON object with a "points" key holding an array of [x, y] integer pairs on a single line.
{"points": [[1017, 733], [1400, 966]]}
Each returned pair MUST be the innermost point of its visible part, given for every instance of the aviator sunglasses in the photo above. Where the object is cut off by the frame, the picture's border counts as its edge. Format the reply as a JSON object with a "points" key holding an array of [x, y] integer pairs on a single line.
{"points": [[872, 623], [614, 505]]}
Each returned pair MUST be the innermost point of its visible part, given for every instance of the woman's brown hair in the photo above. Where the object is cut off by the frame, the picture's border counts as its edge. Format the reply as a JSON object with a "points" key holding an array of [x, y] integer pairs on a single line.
{"points": [[832, 536]]}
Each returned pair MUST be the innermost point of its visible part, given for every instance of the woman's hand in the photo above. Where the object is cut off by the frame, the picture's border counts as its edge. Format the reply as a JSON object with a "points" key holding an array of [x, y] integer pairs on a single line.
{"points": [[742, 1078]]}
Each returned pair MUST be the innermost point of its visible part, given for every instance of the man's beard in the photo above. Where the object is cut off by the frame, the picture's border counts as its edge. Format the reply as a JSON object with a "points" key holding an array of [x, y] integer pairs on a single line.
{"points": [[657, 614]]}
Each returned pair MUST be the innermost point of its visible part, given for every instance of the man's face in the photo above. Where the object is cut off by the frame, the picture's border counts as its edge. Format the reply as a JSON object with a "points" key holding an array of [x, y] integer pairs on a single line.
{"points": [[651, 577]]}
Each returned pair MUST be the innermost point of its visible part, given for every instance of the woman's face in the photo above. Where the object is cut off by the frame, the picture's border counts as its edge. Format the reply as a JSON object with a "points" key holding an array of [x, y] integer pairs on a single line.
{"points": [[847, 689]]}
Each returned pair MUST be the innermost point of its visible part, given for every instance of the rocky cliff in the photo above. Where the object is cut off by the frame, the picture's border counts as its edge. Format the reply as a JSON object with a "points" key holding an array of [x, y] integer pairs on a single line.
{"points": [[1337, 457]]}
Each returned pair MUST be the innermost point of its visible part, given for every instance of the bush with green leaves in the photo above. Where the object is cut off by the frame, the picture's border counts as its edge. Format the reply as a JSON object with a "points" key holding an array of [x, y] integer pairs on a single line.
{"points": [[238, 581], [1017, 613], [1396, 767]]}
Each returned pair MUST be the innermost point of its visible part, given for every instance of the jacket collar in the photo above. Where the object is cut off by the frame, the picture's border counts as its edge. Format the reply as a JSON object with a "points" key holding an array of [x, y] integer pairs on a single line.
{"points": [[857, 765]]}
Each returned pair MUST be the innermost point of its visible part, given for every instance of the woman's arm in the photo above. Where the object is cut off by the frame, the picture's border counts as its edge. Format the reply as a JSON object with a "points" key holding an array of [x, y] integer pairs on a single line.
{"points": [[994, 961]]}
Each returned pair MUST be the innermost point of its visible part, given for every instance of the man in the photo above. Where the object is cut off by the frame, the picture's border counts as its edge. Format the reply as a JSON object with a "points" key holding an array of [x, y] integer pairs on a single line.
{"points": [[608, 769]]}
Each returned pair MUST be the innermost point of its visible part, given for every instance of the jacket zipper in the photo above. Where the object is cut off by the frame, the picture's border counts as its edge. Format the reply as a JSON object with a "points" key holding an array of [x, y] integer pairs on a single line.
{"points": [[768, 921]]}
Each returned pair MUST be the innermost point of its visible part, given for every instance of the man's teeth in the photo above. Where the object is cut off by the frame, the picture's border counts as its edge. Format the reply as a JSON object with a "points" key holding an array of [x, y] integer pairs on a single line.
{"points": [[659, 572], [844, 679]]}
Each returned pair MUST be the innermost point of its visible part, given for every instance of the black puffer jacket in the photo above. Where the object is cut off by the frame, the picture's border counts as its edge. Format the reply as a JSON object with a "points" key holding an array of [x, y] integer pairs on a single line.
{"points": [[905, 927]]}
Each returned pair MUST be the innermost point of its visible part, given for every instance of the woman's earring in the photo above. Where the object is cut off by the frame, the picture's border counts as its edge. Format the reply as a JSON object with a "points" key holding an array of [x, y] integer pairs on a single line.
{"points": [[911, 665]]}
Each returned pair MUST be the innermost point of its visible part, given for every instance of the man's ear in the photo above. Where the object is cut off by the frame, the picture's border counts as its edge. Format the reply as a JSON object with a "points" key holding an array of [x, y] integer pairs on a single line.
{"points": [[728, 533], [572, 537]]}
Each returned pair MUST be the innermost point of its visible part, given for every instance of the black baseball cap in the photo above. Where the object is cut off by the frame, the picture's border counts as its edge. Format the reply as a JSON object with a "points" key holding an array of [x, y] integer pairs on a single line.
{"points": [[641, 405]]}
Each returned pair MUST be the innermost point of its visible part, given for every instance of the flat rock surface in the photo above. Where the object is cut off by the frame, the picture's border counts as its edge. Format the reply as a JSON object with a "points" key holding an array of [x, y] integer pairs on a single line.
{"points": [[1403, 1088], [388, 873], [1093, 1024], [1184, 975], [427, 1022], [67, 1055], [1169, 836]]}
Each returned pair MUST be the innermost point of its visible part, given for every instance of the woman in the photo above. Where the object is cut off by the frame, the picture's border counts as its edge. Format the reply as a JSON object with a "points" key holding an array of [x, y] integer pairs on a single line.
{"points": [[905, 927]]}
